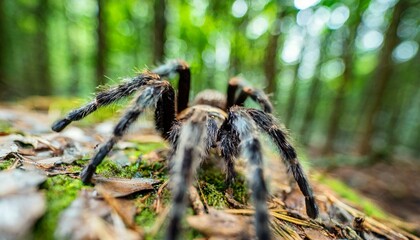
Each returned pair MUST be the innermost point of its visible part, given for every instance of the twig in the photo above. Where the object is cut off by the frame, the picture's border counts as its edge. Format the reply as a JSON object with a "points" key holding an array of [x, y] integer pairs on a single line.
{"points": [[206, 205], [196, 203], [158, 207]]}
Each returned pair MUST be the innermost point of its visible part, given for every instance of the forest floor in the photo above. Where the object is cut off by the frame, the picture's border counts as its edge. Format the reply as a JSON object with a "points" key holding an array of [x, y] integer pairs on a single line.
{"points": [[131, 195], [393, 186]]}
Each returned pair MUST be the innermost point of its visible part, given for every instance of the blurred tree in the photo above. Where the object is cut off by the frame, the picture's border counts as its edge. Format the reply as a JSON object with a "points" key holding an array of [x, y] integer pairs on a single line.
{"points": [[314, 90], [339, 102], [101, 39], [383, 75], [159, 31], [52, 43], [4, 83], [291, 103], [42, 84], [74, 60], [270, 61]]}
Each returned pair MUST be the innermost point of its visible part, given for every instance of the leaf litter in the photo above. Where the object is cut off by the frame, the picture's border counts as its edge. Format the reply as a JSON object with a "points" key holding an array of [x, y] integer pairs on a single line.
{"points": [[90, 218], [21, 204], [107, 210]]}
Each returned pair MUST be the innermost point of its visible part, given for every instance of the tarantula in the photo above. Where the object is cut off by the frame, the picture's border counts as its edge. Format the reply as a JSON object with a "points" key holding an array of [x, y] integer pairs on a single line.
{"points": [[212, 121]]}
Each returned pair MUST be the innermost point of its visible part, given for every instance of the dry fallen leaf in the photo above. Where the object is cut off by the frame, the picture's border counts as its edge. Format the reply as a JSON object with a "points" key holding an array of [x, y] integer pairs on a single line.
{"points": [[313, 234], [120, 187], [7, 148], [221, 225], [19, 213], [16, 181], [20, 204], [90, 218]]}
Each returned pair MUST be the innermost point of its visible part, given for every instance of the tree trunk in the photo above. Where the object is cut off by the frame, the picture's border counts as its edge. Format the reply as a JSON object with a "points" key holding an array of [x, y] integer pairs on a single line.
{"points": [[339, 100], [43, 78], [74, 63], [270, 66], [384, 72], [4, 87], [313, 99], [101, 51], [291, 103], [159, 31], [401, 107]]}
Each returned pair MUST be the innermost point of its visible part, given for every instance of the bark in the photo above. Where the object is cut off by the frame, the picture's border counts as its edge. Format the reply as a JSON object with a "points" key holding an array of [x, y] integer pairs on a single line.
{"points": [[43, 78], [159, 31], [101, 51], [383, 75]]}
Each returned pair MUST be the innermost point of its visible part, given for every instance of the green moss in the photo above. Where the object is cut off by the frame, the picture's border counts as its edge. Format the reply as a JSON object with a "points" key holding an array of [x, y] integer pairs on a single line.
{"points": [[213, 197], [110, 169], [60, 191], [5, 164], [146, 218], [213, 179], [140, 168], [346, 192]]}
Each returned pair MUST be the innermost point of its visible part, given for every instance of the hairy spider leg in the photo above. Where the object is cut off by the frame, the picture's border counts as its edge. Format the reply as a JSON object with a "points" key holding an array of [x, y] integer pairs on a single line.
{"points": [[267, 123], [242, 128], [165, 112], [190, 150], [256, 95], [105, 98], [148, 97], [231, 91], [127, 88], [184, 82], [228, 140]]}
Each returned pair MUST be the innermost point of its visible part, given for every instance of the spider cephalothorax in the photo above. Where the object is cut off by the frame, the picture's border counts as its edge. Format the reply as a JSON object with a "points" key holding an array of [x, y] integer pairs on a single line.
{"points": [[213, 121]]}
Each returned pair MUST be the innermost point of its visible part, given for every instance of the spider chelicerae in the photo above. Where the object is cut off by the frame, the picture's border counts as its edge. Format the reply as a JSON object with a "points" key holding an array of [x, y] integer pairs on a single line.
{"points": [[212, 121]]}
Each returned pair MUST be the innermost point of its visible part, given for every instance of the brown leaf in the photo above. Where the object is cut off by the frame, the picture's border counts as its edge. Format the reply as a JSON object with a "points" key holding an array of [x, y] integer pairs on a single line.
{"points": [[90, 218], [313, 234], [218, 224], [124, 208], [120, 187]]}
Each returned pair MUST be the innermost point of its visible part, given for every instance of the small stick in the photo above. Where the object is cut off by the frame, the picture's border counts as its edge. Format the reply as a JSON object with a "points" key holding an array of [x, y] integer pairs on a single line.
{"points": [[196, 203]]}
